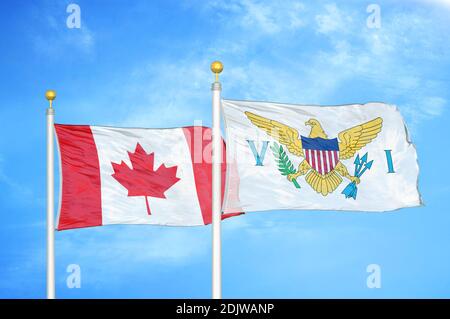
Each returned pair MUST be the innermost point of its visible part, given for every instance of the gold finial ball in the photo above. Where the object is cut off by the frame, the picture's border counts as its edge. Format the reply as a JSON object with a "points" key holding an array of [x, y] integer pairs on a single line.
{"points": [[216, 67], [50, 95]]}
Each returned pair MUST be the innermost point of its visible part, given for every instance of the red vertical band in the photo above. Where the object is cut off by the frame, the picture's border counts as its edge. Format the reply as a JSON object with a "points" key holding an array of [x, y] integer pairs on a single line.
{"points": [[319, 161], [313, 155], [330, 161], [201, 162], [81, 204], [307, 156], [325, 163]]}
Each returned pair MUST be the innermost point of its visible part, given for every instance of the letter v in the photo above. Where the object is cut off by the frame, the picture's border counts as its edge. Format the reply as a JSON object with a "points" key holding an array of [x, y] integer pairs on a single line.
{"points": [[258, 157]]}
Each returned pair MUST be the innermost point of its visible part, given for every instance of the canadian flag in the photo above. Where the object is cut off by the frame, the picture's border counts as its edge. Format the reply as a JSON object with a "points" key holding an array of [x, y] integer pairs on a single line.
{"points": [[135, 176]]}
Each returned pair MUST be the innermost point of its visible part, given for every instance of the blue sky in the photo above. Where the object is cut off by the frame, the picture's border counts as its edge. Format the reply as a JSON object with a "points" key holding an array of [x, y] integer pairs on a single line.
{"points": [[142, 63]]}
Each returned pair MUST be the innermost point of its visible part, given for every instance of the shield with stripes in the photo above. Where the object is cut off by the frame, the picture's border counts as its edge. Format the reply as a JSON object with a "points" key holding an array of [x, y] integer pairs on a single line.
{"points": [[322, 154]]}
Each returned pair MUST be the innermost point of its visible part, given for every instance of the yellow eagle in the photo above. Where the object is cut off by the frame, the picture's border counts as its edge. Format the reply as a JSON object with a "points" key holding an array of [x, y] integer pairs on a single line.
{"points": [[350, 141]]}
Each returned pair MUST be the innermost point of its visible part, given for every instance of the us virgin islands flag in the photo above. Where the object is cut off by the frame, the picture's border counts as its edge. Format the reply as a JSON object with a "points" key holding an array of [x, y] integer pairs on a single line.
{"points": [[350, 157]]}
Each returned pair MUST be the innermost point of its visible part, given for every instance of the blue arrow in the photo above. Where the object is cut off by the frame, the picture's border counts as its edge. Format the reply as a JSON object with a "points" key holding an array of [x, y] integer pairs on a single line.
{"points": [[350, 191], [362, 161], [364, 158], [355, 191], [366, 167], [357, 163]]}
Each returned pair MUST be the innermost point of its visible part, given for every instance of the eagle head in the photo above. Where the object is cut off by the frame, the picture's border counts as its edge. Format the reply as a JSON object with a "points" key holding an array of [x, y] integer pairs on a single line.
{"points": [[316, 129]]}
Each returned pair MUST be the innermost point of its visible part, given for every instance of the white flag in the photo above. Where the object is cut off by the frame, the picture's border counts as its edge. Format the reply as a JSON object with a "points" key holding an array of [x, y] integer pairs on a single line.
{"points": [[349, 157]]}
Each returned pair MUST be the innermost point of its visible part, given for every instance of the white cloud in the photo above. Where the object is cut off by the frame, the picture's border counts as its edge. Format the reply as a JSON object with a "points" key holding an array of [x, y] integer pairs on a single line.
{"points": [[59, 41], [168, 94], [333, 20], [266, 17], [391, 58], [53, 37], [19, 192], [444, 3], [424, 109], [272, 17], [434, 106]]}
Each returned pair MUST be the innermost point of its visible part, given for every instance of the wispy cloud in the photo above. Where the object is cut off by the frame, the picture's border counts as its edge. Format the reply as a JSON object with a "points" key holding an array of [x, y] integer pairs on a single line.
{"points": [[53, 37], [167, 93], [352, 52], [332, 20], [19, 192], [443, 3], [394, 60], [60, 41], [266, 17], [424, 109]]}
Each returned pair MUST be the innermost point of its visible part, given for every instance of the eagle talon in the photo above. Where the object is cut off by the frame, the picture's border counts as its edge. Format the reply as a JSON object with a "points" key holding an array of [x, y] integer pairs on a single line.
{"points": [[291, 177]]}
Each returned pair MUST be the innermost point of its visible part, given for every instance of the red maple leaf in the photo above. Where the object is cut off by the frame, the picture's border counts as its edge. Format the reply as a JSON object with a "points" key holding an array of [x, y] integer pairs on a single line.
{"points": [[142, 179]]}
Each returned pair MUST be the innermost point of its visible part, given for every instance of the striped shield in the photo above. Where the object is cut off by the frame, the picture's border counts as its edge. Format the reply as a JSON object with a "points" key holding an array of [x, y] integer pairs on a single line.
{"points": [[322, 154]]}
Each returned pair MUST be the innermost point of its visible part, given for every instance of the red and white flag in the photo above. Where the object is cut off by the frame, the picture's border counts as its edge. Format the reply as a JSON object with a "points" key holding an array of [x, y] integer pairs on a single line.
{"points": [[135, 176]]}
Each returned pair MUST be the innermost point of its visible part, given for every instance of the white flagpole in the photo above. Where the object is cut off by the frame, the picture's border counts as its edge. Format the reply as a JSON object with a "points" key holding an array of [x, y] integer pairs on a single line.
{"points": [[216, 68], [50, 95]]}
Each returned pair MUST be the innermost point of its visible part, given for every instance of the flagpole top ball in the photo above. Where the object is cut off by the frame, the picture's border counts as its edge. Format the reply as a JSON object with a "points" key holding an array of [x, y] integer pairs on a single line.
{"points": [[216, 68], [50, 95]]}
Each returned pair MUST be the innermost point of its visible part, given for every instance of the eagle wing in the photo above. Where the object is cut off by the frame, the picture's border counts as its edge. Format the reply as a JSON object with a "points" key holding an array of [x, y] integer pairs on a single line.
{"points": [[355, 138], [286, 135]]}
